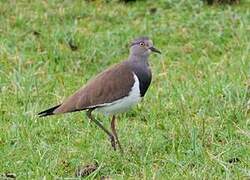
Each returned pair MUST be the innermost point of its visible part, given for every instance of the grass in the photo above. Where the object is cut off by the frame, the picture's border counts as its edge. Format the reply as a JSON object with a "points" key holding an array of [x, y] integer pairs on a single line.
{"points": [[194, 121]]}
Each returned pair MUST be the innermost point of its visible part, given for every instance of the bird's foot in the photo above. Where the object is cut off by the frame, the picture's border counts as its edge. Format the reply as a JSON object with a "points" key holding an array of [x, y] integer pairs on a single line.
{"points": [[120, 147], [116, 143]]}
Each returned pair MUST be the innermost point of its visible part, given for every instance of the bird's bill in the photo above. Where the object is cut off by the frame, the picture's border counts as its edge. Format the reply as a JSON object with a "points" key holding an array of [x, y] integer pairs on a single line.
{"points": [[153, 49]]}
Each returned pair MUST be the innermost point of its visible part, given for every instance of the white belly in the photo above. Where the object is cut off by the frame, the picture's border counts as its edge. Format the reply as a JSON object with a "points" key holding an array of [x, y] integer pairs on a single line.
{"points": [[122, 105]]}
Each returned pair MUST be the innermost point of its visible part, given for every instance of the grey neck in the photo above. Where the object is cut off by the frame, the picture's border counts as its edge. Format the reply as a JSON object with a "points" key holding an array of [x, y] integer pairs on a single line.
{"points": [[141, 59]]}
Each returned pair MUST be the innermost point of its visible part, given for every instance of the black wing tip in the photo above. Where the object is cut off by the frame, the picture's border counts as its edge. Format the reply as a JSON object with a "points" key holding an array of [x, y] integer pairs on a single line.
{"points": [[48, 112]]}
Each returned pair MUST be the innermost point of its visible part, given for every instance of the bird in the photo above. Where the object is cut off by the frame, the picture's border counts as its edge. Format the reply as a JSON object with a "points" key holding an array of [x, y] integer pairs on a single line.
{"points": [[113, 91]]}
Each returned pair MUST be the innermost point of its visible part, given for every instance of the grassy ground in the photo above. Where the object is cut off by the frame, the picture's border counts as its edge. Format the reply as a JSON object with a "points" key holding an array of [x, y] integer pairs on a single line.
{"points": [[193, 122]]}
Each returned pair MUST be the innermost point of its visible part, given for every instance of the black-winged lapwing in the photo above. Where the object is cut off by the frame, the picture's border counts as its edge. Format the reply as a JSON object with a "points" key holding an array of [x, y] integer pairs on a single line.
{"points": [[114, 90]]}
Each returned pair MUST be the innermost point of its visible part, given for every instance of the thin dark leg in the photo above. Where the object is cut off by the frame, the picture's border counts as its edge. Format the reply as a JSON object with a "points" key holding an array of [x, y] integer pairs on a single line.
{"points": [[111, 136], [114, 133]]}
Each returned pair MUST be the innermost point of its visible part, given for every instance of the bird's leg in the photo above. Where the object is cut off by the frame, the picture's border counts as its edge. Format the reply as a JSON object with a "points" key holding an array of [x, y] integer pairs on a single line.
{"points": [[114, 132], [111, 136]]}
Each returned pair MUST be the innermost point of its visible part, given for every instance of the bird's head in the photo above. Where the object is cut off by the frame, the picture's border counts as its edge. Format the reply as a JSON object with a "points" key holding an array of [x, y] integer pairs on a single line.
{"points": [[142, 46]]}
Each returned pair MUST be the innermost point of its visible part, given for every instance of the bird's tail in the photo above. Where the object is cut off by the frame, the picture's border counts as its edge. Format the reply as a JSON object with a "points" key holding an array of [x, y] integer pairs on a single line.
{"points": [[48, 112]]}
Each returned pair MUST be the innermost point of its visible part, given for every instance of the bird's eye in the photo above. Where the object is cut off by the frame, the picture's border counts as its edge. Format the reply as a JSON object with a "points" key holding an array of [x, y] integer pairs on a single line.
{"points": [[142, 44]]}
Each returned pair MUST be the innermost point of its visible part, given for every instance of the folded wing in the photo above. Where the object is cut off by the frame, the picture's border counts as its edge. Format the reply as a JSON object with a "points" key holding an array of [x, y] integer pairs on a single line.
{"points": [[112, 84]]}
